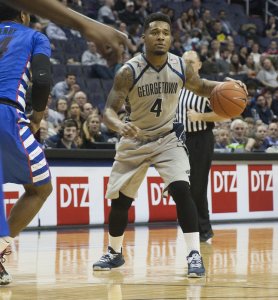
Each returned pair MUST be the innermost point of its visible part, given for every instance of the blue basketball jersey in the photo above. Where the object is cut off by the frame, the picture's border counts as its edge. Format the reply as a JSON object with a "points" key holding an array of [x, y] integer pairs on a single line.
{"points": [[18, 45]]}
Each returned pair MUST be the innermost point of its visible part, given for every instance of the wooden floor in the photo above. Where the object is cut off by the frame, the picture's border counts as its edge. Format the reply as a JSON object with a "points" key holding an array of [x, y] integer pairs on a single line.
{"points": [[241, 263]]}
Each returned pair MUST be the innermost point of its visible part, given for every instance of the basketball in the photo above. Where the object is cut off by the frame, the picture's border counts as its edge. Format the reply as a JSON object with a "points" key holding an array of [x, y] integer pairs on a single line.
{"points": [[228, 100]]}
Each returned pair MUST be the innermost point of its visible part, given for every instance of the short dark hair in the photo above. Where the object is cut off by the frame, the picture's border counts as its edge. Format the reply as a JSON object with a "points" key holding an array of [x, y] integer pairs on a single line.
{"points": [[156, 17], [211, 53], [222, 50], [7, 12], [217, 21], [220, 11], [69, 123], [269, 89], [259, 95], [70, 74]]}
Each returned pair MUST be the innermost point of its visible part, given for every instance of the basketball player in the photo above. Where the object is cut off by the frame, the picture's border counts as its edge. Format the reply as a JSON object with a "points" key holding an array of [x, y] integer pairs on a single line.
{"points": [[150, 84], [198, 119], [4, 228], [106, 38], [22, 50]]}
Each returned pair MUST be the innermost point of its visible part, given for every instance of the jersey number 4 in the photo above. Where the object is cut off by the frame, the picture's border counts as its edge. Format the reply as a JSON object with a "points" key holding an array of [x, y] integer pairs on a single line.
{"points": [[4, 45], [157, 107]]}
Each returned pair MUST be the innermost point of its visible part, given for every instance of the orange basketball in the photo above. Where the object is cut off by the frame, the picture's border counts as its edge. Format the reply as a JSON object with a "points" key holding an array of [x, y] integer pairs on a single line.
{"points": [[228, 100]]}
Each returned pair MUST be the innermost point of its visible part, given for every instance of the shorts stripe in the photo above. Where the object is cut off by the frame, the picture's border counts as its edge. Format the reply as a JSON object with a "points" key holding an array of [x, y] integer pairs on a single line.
{"points": [[37, 159], [38, 165], [35, 153], [29, 141], [23, 130], [41, 176], [40, 171]]}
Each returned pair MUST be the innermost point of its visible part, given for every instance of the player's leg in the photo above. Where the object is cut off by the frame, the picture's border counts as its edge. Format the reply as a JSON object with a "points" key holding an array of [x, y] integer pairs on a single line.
{"points": [[200, 162]]}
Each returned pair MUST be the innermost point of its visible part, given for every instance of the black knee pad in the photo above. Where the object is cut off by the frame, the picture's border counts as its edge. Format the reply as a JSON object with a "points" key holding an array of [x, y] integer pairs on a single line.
{"points": [[180, 190], [121, 204]]}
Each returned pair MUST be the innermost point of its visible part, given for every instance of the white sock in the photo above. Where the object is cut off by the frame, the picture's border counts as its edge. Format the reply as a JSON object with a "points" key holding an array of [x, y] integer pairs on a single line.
{"points": [[192, 241], [116, 242], [5, 242]]}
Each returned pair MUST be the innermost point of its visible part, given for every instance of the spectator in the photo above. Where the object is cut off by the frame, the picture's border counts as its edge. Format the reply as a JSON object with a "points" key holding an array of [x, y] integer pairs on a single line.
{"points": [[273, 103], [75, 5], [209, 66], [183, 23], [142, 9], [128, 16], [258, 142], [226, 124], [219, 34], [46, 143], [268, 95], [50, 100], [250, 123], [122, 27], [222, 66], [235, 65], [261, 111], [78, 141], [250, 66], [87, 110], [198, 9], [120, 5], [203, 53], [232, 49], [65, 89], [263, 57], [106, 15], [75, 112], [270, 29], [176, 48], [247, 113], [255, 53], [272, 134], [171, 14], [80, 98], [110, 136], [37, 26], [243, 55], [262, 131], [237, 139], [56, 117], [134, 38], [258, 123], [201, 25], [92, 133], [249, 45], [268, 76], [215, 45], [252, 89], [91, 56], [191, 17], [163, 9], [68, 134], [208, 20], [226, 25], [223, 139], [50, 126], [126, 58], [54, 32], [272, 48]]}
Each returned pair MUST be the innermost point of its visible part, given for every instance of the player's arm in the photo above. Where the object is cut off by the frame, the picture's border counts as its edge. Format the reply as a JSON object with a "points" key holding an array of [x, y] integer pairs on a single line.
{"points": [[194, 116], [106, 38], [40, 67], [123, 82]]}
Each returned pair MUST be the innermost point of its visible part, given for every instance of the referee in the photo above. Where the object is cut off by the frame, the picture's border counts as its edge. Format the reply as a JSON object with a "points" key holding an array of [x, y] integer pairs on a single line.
{"points": [[198, 119]]}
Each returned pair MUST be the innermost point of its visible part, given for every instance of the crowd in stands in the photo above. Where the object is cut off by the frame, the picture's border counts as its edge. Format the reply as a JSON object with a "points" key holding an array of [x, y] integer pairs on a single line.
{"points": [[230, 44]]}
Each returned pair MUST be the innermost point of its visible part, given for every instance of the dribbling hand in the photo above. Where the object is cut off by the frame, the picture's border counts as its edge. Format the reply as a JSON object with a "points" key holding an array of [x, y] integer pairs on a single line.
{"points": [[240, 83], [129, 130]]}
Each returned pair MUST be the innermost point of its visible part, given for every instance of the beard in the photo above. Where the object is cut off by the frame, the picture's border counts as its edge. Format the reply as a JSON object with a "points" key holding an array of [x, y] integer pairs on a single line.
{"points": [[159, 52]]}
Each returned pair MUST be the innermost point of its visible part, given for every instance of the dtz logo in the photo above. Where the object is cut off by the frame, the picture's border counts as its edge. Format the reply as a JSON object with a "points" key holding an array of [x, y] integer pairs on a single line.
{"points": [[261, 180], [221, 180]]}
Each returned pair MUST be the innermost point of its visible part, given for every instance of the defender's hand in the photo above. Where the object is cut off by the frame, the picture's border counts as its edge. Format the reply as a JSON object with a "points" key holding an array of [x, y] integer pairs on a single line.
{"points": [[129, 130]]}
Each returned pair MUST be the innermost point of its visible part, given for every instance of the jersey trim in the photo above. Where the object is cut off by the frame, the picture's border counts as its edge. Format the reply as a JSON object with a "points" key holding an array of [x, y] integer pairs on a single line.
{"points": [[150, 65], [182, 71], [176, 72]]}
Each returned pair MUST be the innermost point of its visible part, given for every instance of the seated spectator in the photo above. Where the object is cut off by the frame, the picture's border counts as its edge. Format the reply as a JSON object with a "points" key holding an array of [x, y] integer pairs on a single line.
{"points": [[263, 57], [110, 136], [215, 45], [222, 66], [120, 5], [163, 9], [219, 34], [80, 98], [250, 124], [73, 35], [203, 53], [176, 48], [50, 126], [249, 45], [250, 66], [268, 76], [54, 32], [78, 141], [91, 56], [59, 113], [258, 142], [65, 89], [201, 25], [128, 16], [226, 25], [44, 141], [273, 102], [50, 100], [125, 58], [122, 27], [262, 131], [142, 9], [257, 124], [247, 113], [243, 55], [255, 53], [261, 111], [208, 20], [235, 65], [92, 133], [106, 15], [198, 9], [87, 110], [272, 48], [75, 112], [270, 29], [135, 39], [191, 17], [232, 49], [68, 134], [37, 26], [184, 25], [252, 88], [209, 66], [171, 14], [272, 134], [223, 139], [77, 6], [237, 139], [225, 124]]}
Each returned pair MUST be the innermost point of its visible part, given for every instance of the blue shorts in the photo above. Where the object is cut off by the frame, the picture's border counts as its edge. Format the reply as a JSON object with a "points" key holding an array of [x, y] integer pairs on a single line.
{"points": [[23, 160], [4, 228]]}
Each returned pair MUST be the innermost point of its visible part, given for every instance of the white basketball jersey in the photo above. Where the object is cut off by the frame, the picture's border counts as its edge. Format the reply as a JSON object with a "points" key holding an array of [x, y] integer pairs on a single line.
{"points": [[152, 101]]}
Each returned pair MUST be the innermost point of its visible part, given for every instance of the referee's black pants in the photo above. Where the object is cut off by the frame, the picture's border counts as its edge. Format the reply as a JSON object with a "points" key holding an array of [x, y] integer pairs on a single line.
{"points": [[200, 146]]}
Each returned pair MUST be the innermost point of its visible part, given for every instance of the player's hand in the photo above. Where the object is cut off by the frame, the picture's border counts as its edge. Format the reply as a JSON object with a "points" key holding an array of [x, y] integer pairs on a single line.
{"points": [[34, 124], [240, 83], [192, 115], [128, 130]]}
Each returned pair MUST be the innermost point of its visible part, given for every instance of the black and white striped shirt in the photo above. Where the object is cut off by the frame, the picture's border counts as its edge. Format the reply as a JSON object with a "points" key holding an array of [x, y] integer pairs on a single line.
{"points": [[188, 99]]}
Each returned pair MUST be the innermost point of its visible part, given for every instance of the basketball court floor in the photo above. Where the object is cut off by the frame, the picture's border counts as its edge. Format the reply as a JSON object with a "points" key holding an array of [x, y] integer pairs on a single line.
{"points": [[241, 263]]}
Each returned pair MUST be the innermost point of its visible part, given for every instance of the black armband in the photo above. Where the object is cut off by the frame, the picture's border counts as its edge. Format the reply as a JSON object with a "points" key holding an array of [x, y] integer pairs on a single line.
{"points": [[40, 67]]}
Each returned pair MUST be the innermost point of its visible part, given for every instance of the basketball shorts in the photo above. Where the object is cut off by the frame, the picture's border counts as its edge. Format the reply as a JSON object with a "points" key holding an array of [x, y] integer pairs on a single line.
{"points": [[133, 158], [23, 160], [4, 227]]}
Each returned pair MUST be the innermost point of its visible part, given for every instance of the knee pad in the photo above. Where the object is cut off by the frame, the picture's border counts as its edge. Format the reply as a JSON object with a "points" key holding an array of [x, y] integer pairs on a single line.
{"points": [[121, 204]]}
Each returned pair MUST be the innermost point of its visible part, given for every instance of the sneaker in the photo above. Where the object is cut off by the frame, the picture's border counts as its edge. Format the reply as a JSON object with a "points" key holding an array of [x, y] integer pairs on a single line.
{"points": [[195, 265], [5, 278], [206, 235], [109, 260]]}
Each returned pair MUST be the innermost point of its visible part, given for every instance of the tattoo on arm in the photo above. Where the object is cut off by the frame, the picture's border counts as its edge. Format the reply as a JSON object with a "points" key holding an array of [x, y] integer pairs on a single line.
{"points": [[123, 82]]}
